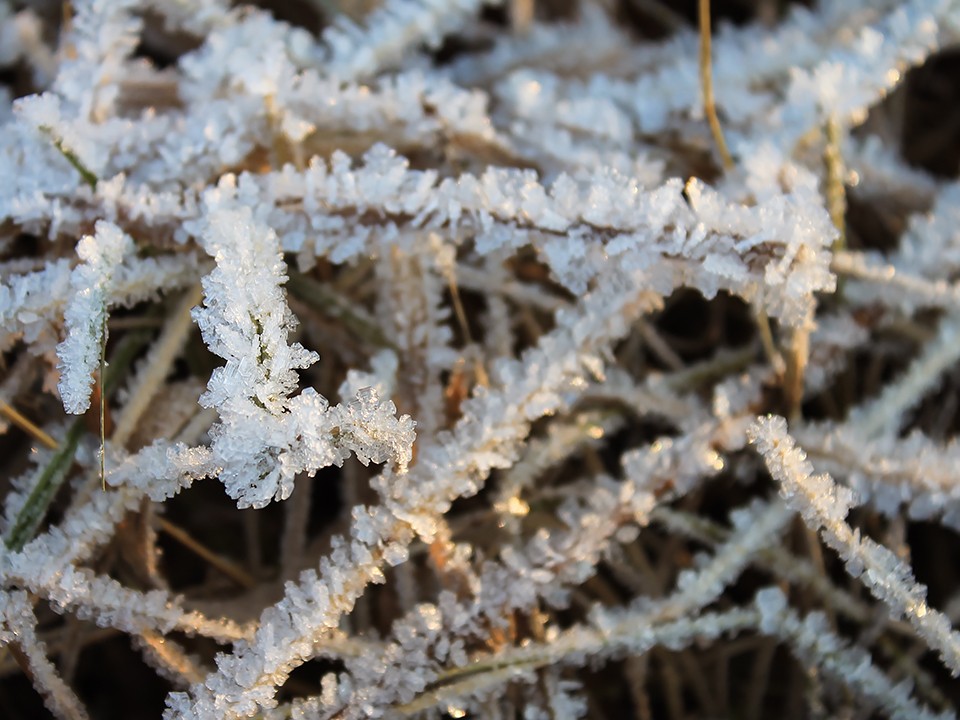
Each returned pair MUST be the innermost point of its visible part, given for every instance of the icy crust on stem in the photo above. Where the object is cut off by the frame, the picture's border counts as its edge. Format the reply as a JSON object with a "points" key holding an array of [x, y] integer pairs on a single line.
{"points": [[103, 34], [50, 565], [31, 302], [86, 311], [494, 423], [18, 623], [824, 507], [634, 631], [891, 474], [393, 28], [929, 247], [838, 61], [543, 569], [245, 318], [813, 641], [266, 437], [775, 253]]}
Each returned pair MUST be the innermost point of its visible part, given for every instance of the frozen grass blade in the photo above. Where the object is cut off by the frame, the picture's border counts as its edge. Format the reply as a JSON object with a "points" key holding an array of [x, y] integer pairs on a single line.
{"points": [[51, 477]]}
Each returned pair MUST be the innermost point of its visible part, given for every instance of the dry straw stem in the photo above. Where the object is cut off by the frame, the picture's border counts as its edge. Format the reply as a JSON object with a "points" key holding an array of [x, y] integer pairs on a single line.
{"points": [[706, 82], [160, 357], [835, 190], [792, 370], [233, 571], [25, 424]]}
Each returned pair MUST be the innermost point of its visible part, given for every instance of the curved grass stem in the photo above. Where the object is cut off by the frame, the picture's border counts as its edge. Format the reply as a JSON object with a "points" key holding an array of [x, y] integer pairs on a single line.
{"points": [[706, 86]]}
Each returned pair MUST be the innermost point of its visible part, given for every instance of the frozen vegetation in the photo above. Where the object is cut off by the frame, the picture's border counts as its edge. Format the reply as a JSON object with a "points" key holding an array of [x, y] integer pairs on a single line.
{"points": [[439, 360]]}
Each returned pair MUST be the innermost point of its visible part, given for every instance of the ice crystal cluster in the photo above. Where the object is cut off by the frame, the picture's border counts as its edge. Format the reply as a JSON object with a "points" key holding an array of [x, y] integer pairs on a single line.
{"points": [[445, 366]]}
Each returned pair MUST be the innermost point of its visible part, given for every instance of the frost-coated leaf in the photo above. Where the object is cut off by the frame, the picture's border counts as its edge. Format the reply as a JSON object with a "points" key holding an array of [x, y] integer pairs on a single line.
{"points": [[85, 315]]}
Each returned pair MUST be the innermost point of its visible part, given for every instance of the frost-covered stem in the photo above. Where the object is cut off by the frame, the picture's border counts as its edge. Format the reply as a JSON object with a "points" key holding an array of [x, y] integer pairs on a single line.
{"points": [[561, 442], [824, 506], [884, 414], [914, 471], [695, 590], [798, 571], [412, 312], [17, 613], [634, 631], [247, 680], [813, 641], [198, 17], [535, 171], [55, 472], [103, 598], [102, 36], [162, 472], [55, 552], [494, 423], [774, 558], [389, 32], [566, 556], [85, 315], [541, 570], [31, 303]]}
